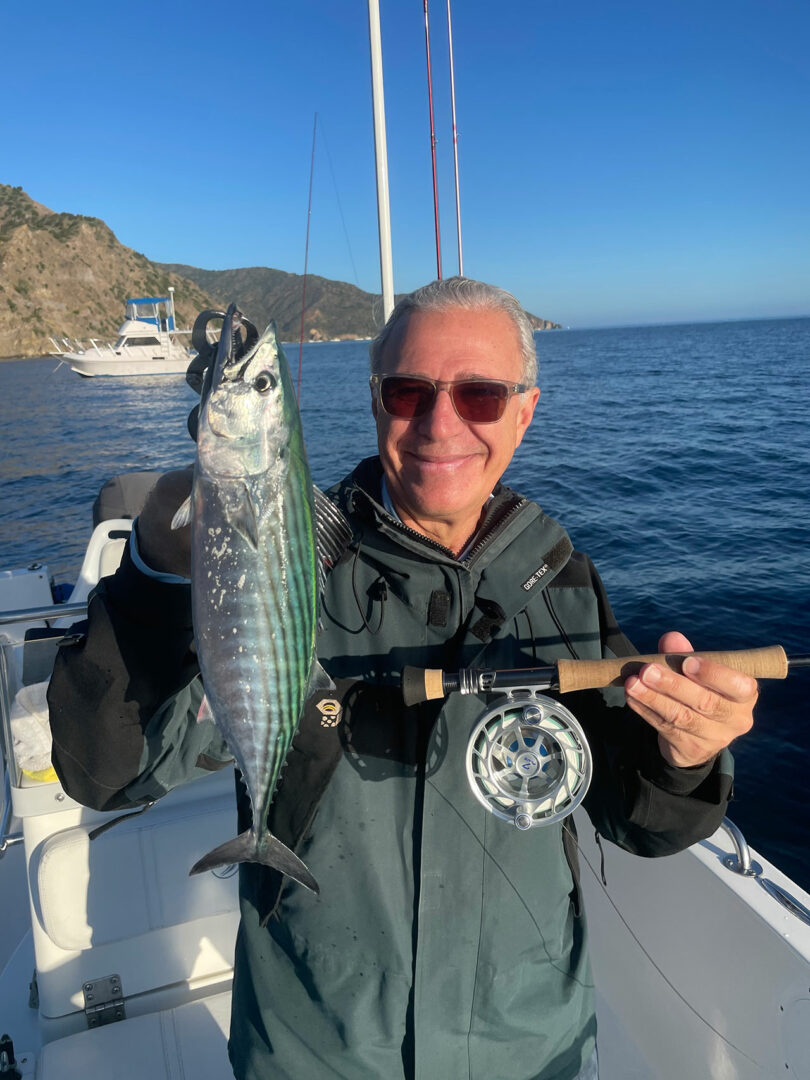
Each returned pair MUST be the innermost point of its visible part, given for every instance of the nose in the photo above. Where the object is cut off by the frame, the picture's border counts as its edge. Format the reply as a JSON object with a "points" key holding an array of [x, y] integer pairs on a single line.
{"points": [[442, 417]]}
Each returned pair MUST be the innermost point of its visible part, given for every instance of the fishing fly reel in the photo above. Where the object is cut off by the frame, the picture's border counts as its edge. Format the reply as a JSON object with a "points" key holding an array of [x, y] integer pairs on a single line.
{"points": [[528, 761]]}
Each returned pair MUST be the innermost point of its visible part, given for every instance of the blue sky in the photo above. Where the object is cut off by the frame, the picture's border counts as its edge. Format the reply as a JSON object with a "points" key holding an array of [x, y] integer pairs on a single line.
{"points": [[620, 162]]}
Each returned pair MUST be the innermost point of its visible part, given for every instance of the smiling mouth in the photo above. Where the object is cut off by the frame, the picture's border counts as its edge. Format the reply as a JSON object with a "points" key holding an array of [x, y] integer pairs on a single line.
{"points": [[439, 462]]}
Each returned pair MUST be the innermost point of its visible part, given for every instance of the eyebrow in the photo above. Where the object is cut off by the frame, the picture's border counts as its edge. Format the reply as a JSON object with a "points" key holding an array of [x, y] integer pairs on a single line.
{"points": [[461, 375]]}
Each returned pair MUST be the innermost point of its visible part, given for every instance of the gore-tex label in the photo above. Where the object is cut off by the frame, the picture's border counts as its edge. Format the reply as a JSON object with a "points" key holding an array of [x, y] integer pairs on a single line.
{"points": [[539, 572]]}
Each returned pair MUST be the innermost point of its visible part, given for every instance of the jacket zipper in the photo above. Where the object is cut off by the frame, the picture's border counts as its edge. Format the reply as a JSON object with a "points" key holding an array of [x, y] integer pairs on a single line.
{"points": [[479, 546]]}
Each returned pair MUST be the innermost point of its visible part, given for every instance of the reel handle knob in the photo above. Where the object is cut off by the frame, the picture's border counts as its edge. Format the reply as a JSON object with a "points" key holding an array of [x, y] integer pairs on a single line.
{"points": [[767, 663]]}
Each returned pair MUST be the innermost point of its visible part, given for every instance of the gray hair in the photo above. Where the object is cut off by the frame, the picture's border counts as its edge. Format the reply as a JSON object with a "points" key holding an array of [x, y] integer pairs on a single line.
{"points": [[463, 293]]}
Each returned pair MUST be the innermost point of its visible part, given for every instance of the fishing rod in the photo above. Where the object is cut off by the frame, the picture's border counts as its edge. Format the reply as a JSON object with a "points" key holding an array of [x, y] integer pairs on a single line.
{"points": [[433, 144], [426, 684], [455, 138], [528, 761]]}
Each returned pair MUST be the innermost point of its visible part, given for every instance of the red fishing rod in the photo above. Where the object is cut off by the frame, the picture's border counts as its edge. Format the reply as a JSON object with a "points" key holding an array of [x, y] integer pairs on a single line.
{"points": [[455, 137]]}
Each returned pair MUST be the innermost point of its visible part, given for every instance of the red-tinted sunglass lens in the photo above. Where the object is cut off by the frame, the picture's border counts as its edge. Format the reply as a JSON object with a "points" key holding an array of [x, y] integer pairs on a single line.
{"points": [[480, 402], [406, 398]]}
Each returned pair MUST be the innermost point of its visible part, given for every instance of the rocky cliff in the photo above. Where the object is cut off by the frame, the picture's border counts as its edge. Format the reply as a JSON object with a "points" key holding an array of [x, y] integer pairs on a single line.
{"points": [[66, 275]]}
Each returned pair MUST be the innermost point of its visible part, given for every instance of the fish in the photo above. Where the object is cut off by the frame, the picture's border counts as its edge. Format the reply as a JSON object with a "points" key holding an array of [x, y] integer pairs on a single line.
{"points": [[254, 574]]}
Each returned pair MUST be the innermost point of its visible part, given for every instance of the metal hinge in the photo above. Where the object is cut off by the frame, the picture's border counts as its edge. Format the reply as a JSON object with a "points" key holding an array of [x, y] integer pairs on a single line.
{"points": [[103, 1001], [8, 1063]]}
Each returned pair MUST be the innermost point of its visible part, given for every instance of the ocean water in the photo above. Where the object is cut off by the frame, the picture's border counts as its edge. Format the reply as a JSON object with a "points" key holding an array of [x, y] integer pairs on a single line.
{"points": [[678, 457]]}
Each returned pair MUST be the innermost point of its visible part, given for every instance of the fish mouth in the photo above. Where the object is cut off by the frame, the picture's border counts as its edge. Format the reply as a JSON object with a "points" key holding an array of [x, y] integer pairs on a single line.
{"points": [[237, 342]]}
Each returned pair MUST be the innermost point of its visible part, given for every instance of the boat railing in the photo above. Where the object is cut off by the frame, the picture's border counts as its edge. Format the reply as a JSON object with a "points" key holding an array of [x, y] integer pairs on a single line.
{"points": [[37, 614], [8, 839], [740, 862], [104, 347], [13, 643], [65, 345]]}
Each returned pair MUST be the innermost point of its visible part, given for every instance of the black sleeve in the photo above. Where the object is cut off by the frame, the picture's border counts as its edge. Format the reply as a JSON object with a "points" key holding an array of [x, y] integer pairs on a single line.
{"points": [[123, 697]]}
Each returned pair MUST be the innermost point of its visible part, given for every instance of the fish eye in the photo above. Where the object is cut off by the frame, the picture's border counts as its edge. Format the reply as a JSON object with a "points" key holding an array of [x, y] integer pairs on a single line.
{"points": [[264, 381]]}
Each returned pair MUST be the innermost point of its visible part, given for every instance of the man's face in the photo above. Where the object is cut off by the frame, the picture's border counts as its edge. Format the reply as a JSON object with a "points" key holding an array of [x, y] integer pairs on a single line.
{"points": [[440, 468]]}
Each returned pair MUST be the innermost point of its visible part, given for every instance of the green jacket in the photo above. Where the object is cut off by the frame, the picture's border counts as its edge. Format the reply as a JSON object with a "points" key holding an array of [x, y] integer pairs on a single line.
{"points": [[445, 943]]}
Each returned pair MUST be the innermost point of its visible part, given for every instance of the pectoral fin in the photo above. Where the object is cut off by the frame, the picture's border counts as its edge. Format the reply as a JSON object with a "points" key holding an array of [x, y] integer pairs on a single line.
{"points": [[318, 680], [205, 712], [183, 515], [242, 517]]}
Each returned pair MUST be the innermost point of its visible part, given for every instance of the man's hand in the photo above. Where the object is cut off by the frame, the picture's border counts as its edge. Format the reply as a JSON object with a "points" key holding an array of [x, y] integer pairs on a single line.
{"points": [[166, 550], [696, 714]]}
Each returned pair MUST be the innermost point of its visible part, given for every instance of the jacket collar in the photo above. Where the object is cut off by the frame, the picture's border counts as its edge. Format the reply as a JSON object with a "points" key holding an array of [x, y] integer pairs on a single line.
{"points": [[360, 494], [507, 515]]}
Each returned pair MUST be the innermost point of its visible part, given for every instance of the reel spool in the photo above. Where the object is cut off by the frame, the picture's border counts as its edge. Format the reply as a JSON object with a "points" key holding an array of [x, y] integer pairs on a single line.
{"points": [[528, 761]]}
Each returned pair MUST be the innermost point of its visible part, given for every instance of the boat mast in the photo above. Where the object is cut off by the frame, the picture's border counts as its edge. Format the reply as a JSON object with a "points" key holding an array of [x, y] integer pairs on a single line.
{"points": [[455, 138], [432, 143], [381, 157]]}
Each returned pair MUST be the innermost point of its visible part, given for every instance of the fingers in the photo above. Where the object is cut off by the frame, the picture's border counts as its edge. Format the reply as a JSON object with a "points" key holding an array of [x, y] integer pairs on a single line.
{"points": [[674, 642], [696, 713]]}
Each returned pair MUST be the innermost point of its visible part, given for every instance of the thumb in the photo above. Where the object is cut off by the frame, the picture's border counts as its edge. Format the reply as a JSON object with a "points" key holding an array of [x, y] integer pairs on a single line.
{"points": [[673, 642]]}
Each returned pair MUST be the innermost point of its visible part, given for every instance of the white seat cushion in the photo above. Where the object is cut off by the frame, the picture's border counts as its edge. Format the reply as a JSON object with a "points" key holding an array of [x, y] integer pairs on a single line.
{"points": [[187, 1043], [139, 880]]}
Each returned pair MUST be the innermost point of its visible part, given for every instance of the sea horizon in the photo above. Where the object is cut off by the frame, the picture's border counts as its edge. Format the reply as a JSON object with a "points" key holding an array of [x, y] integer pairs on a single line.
{"points": [[560, 329]]}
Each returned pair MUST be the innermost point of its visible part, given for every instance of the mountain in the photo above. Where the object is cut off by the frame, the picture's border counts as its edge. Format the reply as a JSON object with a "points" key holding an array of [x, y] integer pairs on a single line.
{"points": [[335, 310], [66, 275]]}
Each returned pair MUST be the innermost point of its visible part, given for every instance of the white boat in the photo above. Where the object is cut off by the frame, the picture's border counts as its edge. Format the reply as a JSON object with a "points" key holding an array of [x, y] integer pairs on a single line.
{"points": [[114, 962], [148, 343]]}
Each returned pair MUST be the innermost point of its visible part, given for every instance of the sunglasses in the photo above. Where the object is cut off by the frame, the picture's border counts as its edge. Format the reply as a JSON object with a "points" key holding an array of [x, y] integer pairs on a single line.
{"points": [[478, 401]]}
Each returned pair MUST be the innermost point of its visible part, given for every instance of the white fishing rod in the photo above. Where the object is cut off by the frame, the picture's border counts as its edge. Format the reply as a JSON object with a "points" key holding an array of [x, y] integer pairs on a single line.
{"points": [[381, 159], [455, 138]]}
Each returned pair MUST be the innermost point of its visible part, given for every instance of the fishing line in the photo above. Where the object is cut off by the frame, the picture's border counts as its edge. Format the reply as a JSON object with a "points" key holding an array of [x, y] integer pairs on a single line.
{"points": [[340, 208], [306, 261], [655, 966]]}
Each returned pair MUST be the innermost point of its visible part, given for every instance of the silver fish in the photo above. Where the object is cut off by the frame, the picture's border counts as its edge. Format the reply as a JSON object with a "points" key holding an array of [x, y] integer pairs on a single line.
{"points": [[254, 574]]}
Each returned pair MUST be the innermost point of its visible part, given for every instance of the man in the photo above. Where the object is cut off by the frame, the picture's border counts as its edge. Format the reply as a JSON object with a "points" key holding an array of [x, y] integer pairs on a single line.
{"points": [[445, 943]]}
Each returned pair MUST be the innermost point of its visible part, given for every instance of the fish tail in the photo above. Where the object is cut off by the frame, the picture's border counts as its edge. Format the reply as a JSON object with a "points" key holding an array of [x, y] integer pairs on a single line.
{"points": [[267, 851]]}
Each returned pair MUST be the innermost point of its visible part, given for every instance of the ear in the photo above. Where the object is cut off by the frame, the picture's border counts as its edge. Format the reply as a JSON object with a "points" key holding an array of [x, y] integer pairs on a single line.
{"points": [[373, 403], [525, 413]]}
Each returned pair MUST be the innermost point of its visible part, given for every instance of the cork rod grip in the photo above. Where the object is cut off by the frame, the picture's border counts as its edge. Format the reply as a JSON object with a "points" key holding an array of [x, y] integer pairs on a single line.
{"points": [[421, 684], [768, 663]]}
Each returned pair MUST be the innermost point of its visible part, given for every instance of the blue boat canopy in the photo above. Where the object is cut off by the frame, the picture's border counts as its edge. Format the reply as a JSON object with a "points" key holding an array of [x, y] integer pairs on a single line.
{"points": [[164, 320]]}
